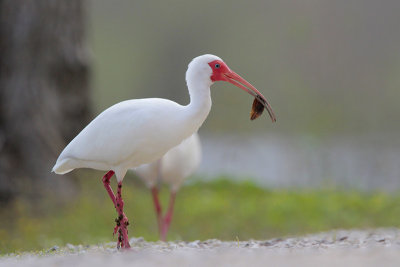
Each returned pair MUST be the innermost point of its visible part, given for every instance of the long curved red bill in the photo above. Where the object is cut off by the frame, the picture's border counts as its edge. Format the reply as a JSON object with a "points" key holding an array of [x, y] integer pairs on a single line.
{"points": [[238, 81]]}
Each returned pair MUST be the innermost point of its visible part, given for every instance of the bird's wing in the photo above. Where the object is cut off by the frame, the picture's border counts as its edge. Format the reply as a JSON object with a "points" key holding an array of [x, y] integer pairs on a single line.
{"points": [[120, 130]]}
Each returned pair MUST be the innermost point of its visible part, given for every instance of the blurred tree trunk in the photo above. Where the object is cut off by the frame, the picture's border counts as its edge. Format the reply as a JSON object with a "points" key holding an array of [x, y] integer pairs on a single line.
{"points": [[44, 91]]}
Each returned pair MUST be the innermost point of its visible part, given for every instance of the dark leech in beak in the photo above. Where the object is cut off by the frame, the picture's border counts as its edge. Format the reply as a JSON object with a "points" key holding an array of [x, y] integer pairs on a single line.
{"points": [[235, 79], [256, 110], [260, 101]]}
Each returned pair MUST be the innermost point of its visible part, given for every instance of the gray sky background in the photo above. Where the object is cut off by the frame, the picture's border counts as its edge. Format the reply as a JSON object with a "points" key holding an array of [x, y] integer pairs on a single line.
{"points": [[327, 67]]}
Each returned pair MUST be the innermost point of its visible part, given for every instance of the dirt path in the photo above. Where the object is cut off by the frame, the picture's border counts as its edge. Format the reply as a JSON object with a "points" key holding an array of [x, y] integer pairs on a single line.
{"points": [[380, 247]]}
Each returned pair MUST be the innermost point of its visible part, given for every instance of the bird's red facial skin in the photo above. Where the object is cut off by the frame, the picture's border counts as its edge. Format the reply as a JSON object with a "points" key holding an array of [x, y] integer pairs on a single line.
{"points": [[219, 68]]}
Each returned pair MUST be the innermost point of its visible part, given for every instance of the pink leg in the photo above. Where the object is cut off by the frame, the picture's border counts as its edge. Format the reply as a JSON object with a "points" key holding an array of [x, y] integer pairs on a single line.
{"points": [[123, 240], [122, 220], [168, 217], [106, 183], [157, 207]]}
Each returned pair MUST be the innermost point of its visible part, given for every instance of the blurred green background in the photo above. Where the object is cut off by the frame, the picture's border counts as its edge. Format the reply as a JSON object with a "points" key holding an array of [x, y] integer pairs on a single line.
{"points": [[331, 70], [219, 209]]}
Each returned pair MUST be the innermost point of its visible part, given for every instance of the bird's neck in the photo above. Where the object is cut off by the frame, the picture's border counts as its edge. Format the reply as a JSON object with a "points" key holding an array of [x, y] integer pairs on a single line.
{"points": [[200, 103]]}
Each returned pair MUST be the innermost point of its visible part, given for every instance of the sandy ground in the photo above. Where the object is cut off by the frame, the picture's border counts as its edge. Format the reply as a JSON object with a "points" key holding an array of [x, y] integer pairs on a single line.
{"points": [[379, 247]]}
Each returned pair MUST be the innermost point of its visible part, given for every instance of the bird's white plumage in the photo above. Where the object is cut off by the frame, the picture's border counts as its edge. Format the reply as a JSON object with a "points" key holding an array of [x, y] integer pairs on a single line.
{"points": [[175, 166], [135, 132]]}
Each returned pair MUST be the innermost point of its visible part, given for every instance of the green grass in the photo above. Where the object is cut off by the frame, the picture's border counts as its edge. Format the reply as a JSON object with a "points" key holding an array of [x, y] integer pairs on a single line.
{"points": [[219, 209]]}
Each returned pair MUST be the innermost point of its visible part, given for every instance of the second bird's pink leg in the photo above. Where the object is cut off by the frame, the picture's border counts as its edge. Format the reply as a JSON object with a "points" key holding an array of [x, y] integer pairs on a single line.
{"points": [[157, 208], [122, 220], [168, 217]]}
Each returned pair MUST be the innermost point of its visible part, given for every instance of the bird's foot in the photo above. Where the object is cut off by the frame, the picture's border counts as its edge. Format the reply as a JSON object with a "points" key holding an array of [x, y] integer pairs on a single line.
{"points": [[122, 229]]}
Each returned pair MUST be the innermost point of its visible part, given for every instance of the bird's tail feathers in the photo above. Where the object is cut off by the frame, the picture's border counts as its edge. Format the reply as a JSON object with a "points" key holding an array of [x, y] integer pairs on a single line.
{"points": [[62, 166]]}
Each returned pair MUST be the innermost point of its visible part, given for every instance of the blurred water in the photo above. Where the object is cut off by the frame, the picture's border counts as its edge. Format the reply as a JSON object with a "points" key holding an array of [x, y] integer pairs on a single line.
{"points": [[366, 163]]}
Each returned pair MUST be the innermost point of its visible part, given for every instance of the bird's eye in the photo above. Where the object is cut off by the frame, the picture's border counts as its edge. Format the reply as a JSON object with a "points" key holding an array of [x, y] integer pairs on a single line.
{"points": [[217, 66]]}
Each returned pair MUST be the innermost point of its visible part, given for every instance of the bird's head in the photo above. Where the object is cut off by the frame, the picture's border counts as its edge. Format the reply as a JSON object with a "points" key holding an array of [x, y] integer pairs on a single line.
{"points": [[209, 68]]}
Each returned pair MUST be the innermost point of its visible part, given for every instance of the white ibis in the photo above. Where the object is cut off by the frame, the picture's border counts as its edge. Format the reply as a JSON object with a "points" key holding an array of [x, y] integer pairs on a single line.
{"points": [[173, 168], [139, 131]]}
